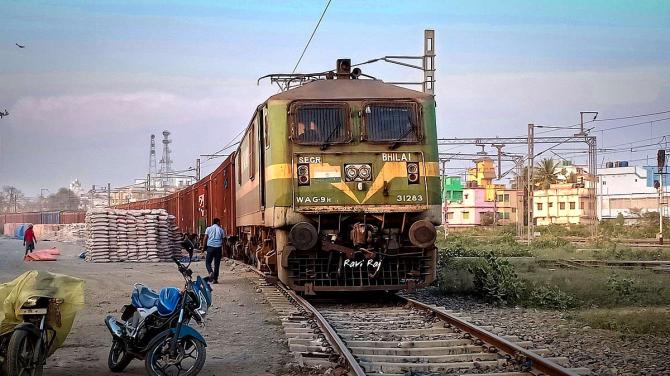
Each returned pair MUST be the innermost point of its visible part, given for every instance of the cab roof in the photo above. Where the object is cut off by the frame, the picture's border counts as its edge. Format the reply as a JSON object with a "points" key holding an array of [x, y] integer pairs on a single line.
{"points": [[349, 89]]}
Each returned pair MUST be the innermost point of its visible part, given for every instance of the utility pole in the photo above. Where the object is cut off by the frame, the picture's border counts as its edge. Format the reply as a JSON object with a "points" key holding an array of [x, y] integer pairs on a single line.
{"points": [[660, 158], [581, 122], [429, 61], [529, 179], [197, 169], [109, 194], [499, 148]]}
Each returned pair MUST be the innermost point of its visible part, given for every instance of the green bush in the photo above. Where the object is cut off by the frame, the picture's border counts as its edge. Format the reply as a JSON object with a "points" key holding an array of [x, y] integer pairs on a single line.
{"points": [[550, 242], [621, 286], [495, 280], [454, 276], [545, 296]]}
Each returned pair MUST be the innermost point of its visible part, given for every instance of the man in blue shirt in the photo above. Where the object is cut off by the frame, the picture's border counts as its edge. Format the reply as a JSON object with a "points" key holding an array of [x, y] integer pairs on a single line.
{"points": [[213, 242]]}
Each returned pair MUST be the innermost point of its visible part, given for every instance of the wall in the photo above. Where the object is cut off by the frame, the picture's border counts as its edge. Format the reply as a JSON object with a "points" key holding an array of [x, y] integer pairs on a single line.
{"points": [[626, 190], [474, 203], [576, 209]]}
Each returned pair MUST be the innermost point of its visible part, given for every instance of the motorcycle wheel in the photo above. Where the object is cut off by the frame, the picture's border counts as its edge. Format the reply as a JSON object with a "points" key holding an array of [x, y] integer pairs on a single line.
{"points": [[190, 358], [118, 358], [20, 352]]}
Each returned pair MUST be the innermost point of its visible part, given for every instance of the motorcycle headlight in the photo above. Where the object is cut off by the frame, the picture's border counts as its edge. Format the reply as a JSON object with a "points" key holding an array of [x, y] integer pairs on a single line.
{"points": [[31, 302], [202, 309]]}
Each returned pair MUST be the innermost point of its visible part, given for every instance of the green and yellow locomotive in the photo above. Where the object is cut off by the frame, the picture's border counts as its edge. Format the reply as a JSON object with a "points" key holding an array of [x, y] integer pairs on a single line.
{"points": [[337, 186]]}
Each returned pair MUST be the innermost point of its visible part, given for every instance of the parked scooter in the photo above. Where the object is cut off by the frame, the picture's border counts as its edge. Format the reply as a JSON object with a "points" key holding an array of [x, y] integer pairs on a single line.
{"points": [[47, 304], [155, 327]]}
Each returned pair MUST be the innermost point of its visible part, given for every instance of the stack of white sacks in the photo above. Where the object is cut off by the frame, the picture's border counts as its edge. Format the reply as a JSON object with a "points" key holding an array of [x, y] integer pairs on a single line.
{"points": [[131, 235]]}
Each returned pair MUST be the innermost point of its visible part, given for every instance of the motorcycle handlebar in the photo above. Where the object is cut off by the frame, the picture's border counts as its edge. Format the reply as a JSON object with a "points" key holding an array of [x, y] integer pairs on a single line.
{"points": [[182, 269]]}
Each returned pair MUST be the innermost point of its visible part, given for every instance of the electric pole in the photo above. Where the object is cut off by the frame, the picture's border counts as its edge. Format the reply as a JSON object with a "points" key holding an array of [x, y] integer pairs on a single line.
{"points": [[109, 194], [660, 158], [529, 179], [197, 169]]}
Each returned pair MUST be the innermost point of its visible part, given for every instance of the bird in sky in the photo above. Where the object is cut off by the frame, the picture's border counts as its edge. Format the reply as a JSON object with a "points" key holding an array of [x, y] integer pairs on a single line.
{"points": [[20, 46]]}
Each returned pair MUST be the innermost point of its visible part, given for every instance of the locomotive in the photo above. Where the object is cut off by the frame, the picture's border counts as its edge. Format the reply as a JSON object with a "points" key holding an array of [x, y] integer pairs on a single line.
{"points": [[334, 187]]}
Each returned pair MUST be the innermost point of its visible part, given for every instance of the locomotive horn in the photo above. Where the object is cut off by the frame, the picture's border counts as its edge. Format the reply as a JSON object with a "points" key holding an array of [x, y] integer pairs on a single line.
{"points": [[422, 234], [355, 73], [303, 236], [343, 68]]}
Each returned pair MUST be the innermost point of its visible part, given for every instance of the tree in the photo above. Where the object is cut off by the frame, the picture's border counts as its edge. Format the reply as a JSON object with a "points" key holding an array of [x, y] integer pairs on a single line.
{"points": [[545, 173], [64, 199], [11, 199]]}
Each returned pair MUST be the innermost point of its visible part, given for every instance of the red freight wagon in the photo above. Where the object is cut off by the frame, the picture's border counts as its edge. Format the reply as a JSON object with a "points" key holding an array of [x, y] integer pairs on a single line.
{"points": [[185, 210], [222, 195]]}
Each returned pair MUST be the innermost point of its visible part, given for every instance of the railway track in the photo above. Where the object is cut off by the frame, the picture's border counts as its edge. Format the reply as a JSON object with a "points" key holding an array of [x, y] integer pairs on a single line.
{"points": [[401, 338]]}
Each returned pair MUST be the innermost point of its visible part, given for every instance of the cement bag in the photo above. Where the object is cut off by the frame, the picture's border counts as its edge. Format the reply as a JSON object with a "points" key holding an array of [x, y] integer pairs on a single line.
{"points": [[40, 283]]}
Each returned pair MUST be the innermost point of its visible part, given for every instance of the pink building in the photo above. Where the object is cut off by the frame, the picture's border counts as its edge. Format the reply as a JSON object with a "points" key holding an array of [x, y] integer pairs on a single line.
{"points": [[481, 206], [474, 210]]}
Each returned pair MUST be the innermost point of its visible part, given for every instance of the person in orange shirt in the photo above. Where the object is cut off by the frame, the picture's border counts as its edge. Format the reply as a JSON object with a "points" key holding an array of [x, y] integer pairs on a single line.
{"points": [[29, 239]]}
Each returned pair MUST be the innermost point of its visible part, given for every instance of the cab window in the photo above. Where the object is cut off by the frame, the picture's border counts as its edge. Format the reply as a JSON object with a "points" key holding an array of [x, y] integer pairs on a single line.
{"points": [[392, 122], [320, 123]]}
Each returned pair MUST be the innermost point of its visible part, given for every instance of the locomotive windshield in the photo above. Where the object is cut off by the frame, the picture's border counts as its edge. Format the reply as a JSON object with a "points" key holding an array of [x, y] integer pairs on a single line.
{"points": [[391, 123], [320, 124]]}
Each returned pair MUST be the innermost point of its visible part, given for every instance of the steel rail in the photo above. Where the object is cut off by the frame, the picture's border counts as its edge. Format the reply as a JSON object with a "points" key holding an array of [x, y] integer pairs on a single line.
{"points": [[327, 330], [537, 363], [330, 333]]}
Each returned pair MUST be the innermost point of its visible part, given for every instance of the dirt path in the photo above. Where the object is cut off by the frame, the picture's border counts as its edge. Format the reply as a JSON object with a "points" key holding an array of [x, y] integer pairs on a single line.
{"points": [[242, 333]]}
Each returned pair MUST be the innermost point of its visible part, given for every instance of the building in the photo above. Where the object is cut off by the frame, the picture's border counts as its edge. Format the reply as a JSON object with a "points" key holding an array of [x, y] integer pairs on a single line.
{"points": [[482, 174], [628, 190], [474, 205], [563, 204]]}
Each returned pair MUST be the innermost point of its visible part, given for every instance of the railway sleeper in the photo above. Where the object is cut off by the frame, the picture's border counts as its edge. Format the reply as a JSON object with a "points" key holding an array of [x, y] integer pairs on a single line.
{"points": [[408, 344], [417, 351], [387, 367], [398, 332], [462, 374], [463, 357]]}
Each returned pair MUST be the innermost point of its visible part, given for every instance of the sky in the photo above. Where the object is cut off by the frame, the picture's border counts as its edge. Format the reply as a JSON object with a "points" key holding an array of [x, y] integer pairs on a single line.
{"points": [[96, 79]]}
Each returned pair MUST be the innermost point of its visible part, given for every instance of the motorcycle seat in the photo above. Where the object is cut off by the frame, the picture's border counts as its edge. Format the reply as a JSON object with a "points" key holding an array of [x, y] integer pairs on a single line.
{"points": [[144, 297]]}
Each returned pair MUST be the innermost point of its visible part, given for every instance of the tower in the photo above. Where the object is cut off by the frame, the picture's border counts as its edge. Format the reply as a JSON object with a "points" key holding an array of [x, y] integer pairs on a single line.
{"points": [[166, 162], [153, 169]]}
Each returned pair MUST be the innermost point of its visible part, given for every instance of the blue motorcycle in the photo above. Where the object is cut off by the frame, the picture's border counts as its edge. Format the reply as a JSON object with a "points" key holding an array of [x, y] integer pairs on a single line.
{"points": [[155, 327]]}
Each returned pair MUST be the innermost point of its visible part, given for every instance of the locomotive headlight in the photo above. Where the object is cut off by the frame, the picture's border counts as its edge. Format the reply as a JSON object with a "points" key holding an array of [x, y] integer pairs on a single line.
{"points": [[358, 172], [351, 172], [412, 173], [365, 172], [303, 174]]}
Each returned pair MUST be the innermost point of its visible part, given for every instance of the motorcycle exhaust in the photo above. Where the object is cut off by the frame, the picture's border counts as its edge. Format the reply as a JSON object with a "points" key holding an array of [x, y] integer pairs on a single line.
{"points": [[114, 327]]}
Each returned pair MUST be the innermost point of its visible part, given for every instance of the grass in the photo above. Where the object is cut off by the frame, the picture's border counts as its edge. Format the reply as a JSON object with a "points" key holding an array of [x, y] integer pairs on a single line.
{"points": [[628, 301], [629, 320], [550, 245], [602, 287], [473, 262]]}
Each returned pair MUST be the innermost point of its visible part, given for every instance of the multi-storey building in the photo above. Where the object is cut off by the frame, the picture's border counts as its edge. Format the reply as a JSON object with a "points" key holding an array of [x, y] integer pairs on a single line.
{"points": [[628, 190], [563, 204]]}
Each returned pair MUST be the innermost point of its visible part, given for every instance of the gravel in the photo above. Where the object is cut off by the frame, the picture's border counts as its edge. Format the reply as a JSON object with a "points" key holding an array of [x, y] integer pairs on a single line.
{"points": [[603, 352]]}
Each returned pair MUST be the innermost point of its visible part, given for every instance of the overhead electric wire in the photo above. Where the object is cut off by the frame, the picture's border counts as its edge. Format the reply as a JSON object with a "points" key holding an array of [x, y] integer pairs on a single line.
{"points": [[632, 125], [311, 37], [634, 116]]}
